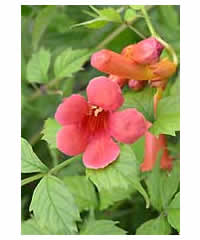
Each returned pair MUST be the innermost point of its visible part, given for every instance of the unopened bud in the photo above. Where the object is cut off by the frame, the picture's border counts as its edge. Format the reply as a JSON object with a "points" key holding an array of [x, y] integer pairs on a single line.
{"points": [[137, 85], [147, 51]]}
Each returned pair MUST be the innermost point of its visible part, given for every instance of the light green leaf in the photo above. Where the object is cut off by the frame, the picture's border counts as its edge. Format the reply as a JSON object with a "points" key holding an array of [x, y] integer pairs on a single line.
{"points": [[38, 65], [138, 148], [167, 116], [82, 190], [94, 23], [129, 15], [101, 227], [162, 185], [142, 101], [31, 227], [69, 62], [173, 212], [175, 88], [169, 12], [137, 7], [44, 17], [118, 176], [157, 226], [110, 14], [23, 67], [51, 127], [53, 205], [30, 162]]}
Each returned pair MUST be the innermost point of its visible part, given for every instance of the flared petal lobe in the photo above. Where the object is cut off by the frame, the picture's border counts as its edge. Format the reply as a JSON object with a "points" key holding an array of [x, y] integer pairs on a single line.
{"points": [[127, 126], [72, 140], [71, 110], [100, 152], [104, 93]]}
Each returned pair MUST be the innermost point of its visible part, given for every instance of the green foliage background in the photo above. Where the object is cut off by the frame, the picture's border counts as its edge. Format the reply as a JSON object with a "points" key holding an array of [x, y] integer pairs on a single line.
{"points": [[55, 52]]}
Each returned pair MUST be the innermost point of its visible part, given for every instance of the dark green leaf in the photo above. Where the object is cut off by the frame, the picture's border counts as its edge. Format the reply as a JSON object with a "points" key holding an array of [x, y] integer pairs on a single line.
{"points": [[44, 17], [157, 226], [69, 62], [82, 190], [51, 127], [173, 212], [53, 205], [142, 101], [30, 162], [162, 185], [37, 67], [119, 176], [167, 116], [102, 227]]}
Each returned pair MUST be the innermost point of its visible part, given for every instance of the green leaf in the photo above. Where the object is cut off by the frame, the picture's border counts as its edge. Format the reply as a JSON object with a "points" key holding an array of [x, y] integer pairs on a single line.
{"points": [[82, 190], [51, 127], [173, 212], [53, 205], [31, 227], [162, 185], [30, 162], [42, 20], [169, 16], [142, 101], [118, 176], [69, 62], [175, 88], [157, 226], [167, 116], [94, 23], [137, 7], [129, 15], [23, 67], [110, 14], [101, 227], [38, 65]]}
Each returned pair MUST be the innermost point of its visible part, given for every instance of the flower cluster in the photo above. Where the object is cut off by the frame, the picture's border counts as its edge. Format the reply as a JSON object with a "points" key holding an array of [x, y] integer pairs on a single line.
{"points": [[136, 65], [90, 127]]}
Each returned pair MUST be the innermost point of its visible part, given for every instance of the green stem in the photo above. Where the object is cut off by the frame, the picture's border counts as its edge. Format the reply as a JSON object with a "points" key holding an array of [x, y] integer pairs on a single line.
{"points": [[167, 46], [52, 171], [63, 164], [136, 31], [117, 31], [148, 21], [32, 178]]}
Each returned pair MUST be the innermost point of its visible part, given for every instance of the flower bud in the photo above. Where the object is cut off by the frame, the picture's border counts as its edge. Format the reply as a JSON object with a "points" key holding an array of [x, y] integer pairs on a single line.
{"points": [[146, 51], [137, 85], [113, 63]]}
